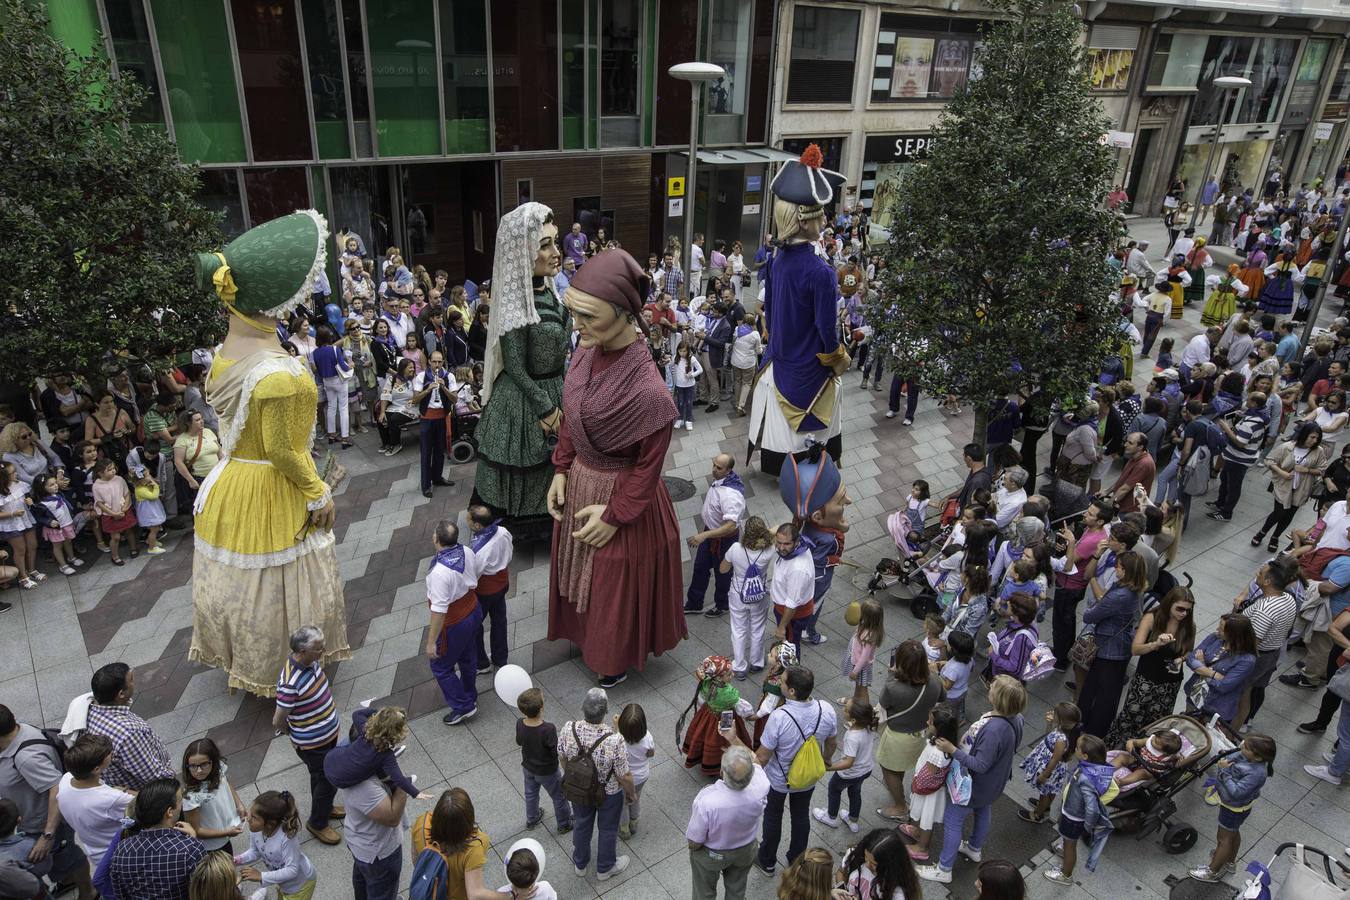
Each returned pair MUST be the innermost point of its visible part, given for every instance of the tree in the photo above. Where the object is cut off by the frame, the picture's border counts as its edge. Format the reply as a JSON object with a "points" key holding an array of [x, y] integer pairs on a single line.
{"points": [[99, 217], [996, 275]]}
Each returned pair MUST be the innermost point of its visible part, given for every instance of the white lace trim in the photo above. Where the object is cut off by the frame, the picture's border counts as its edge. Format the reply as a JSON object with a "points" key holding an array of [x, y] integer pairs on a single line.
{"points": [[324, 499], [513, 283], [315, 540], [306, 290]]}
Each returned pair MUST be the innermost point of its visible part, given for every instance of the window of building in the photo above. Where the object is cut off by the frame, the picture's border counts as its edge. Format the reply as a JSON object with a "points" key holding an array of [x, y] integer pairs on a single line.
{"points": [[134, 56], [220, 193], [268, 47], [1110, 56], [575, 54], [1271, 70], [728, 47], [354, 33], [677, 34], [327, 79], [203, 95], [620, 62], [273, 193], [464, 72], [923, 58], [525, 76], [824, 55], [1177, 60], [403, 74]]}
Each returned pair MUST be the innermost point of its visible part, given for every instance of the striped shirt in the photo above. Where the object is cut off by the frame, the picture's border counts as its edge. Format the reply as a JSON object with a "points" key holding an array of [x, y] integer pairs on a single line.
{"points": [[303, 691], [1271, 618], [1250, 431]]}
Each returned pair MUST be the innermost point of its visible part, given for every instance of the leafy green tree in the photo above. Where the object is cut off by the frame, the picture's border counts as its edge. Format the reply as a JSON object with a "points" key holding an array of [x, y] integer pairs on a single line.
{"points": [[996, 274], [100, 219]]}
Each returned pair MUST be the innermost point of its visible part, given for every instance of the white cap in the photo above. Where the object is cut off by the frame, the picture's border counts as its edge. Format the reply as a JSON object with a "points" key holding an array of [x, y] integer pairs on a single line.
{"points": [[531, 845]]}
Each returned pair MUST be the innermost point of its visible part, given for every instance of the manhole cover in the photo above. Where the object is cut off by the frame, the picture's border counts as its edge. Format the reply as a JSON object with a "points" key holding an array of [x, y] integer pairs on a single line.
{"points": [[679, 488]]}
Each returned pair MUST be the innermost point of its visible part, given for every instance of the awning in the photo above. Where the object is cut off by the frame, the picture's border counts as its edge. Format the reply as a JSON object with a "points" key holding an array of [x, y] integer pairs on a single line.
{"points": [[754, 156]]}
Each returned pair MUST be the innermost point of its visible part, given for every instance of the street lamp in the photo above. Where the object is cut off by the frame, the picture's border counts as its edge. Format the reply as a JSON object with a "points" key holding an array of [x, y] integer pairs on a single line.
{"points": [[697, 74], [1227, 85]]}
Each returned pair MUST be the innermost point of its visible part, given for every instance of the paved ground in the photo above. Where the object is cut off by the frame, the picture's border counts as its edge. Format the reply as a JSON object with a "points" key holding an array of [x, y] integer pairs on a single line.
{"points": [[141, 614]]}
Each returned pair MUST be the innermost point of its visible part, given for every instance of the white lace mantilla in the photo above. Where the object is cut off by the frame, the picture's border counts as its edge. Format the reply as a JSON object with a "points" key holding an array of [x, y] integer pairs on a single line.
{"points": [[315, 540], [517, 246]]}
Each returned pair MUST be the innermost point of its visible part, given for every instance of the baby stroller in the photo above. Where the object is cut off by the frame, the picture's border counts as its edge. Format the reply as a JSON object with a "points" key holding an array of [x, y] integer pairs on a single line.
{"points": [[1306, 880], [463, 445], [1144, 807]]}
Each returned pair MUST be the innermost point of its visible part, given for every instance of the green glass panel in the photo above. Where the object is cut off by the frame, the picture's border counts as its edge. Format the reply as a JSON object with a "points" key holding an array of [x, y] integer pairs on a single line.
{"points": [[131, 47], [403, 73], [464, 71], [575, 62], [318, 192], [649, 76], [199, 77], [328, 89], [593, 69], [75, 24]]}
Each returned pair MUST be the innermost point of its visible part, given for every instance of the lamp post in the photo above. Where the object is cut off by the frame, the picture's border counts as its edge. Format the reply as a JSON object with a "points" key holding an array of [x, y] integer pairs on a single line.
{"points": [[1228, 85], [697, 74]]}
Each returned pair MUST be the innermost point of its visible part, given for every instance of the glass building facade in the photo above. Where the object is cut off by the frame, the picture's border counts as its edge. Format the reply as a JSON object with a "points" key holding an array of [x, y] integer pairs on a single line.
{"points": [[377, 111]]}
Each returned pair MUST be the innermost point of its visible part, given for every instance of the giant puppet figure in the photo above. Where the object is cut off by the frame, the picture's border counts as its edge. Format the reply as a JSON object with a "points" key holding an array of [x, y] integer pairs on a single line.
{"points": [[265, 561], [615, 574], [797, 394], [526, 354], [814, 492]]}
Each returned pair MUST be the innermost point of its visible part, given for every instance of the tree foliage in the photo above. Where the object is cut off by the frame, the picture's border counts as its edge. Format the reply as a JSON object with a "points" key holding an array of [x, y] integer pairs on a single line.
{"points": [[99, 217], [996, 274]]}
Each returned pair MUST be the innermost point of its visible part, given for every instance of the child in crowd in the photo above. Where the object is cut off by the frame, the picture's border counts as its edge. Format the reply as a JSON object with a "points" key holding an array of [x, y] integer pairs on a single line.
{"points": [[210, 803], [1047, 765], [1022, 578], [632, 724], [876, 867], [1147, 758], [538, 743], [748, 562], [854, 765], [1082, 813], [1242, 773], [906, 525], [412, 351], [149, 509], [933, 644], [862, 648], [782, 656], [91, 807], [57, 516], [524, 865], [81, 490], [116, 515], [955, 672], [1164, 361], [17, 524], [685, 372], [273, 823], [928, 786], [60, 442], [714, 695], [377, 736]]}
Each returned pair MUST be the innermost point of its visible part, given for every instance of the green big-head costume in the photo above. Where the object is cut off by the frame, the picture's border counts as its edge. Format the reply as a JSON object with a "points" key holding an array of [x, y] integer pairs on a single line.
{"points": [[268, 270]]}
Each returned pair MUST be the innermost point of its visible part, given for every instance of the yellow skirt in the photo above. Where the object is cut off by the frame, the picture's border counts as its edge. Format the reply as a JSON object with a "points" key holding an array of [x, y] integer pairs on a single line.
{"points": [[305, 893], [899, 752]]}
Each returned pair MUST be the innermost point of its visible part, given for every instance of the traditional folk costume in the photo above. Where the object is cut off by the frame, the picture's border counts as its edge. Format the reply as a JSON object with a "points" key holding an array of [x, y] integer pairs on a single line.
{"points": [[1222, 303], [525, 358], [701, 744], [1312, 275], [1277, 296], [1197, 260], [1178, 279], [796, 396], [805, 488], [1253, 272], [622, 602], [261, 570], [781, 657]]}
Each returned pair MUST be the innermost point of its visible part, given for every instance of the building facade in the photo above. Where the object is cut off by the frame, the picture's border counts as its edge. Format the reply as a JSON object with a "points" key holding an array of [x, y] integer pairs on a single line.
{"points": [[868, 81], [418, 123]]}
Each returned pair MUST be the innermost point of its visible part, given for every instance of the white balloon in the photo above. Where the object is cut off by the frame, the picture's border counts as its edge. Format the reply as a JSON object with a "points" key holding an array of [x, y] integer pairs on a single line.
{"points": [[510, 682]]}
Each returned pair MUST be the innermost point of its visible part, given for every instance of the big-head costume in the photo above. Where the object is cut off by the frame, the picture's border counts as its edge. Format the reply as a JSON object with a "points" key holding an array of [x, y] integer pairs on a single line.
{"points": [[261, 570], [814, 492], [797, 395]]}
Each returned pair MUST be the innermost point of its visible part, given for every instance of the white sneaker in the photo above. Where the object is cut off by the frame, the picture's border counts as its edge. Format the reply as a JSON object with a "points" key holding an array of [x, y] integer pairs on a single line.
{"points": [[619, 865], [688, 426], [935, 873], [852, 825], [970, 852], [823, 818], [679, 423], [77, 562], [1056, 874], [1323, 773], [156, 551], [890, 414]]}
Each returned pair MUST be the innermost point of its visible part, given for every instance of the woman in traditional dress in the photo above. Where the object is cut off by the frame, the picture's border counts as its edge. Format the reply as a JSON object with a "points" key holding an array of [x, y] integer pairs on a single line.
{"points": [[1222, 302], [1277, 296], [615, 579], [526, 354], [1178, 279], [1311, 276], [714, 695], [1253, 273], [265, 561], [1197, 261]]}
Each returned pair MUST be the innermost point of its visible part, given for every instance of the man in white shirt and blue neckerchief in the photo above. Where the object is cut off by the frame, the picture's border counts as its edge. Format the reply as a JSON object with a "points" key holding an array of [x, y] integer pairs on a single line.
{"points": [[492, 547], [452, 645], [723, 510]]}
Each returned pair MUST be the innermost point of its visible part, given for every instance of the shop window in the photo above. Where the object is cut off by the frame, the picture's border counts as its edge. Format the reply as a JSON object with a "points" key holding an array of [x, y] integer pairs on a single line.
{"points": [[220, 193], [1270, 70], [1177, 60], [268, 46], [1110, 56], [135, 58], [327, 83], [831, 150], [824, 55], [1225, 55], [923, 58], [202, 93], [273, 193], [525, 82], [464, 72]]}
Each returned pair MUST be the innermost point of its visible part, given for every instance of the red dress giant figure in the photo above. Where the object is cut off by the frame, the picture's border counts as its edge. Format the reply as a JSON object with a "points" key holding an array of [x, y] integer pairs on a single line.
{"points": [[615, 574]]}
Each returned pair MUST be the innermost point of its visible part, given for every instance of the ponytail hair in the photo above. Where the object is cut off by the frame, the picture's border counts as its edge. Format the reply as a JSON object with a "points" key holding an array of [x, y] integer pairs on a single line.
{"points": [[1264, 748], [147, 810], [277, 809], [864, 713]]}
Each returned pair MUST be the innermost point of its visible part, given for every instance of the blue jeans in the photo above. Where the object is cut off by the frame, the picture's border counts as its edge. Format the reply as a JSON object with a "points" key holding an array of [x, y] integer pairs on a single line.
{"points": [[684, 402], [707, 558], [1167, 484], [834, 794], [494, 608], [606, 819], [799, 806], [1340, 763], [455, 650], [377, 880], [562, 810], [953, 822]]}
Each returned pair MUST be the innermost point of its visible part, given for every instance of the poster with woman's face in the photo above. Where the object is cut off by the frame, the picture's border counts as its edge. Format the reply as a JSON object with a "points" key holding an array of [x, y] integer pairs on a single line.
{"points": [[950, 66], [913, 64]]}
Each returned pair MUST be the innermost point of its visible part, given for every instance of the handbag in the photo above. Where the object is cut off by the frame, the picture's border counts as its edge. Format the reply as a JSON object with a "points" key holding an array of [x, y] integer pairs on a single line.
{"points": [[1084, 649], [1307, 882], [1198, 693], [1340, 682], [928, 780], [951, 511], [959, 784]]}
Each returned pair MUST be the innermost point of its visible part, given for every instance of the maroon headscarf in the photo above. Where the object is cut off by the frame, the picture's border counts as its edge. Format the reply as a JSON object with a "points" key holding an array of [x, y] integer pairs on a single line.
{"points": [[615, 277]]}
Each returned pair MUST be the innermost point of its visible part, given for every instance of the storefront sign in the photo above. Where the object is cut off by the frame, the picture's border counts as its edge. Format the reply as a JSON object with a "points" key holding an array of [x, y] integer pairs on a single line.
{"points": [[898, 148], [1322, 131], [750, 209], [675, 187], [676, 205], [1122, 139]]}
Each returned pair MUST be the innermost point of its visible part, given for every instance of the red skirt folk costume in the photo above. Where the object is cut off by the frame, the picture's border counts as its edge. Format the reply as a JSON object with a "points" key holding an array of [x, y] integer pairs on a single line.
{"points": [[622, 602], [703, 745]]}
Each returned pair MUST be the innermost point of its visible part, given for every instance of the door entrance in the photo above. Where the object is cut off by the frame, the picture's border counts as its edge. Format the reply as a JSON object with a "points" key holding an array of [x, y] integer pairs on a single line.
{"points": [[1145, 160]]}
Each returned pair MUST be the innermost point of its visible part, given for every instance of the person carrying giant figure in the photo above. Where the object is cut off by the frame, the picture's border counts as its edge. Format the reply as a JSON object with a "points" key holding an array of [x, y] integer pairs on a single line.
{"points": [[797, 394], [265, 561]]}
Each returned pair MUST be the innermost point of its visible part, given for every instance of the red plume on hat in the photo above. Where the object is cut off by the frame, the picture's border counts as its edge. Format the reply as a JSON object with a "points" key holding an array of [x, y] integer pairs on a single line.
{"points": [[812, 156]]}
